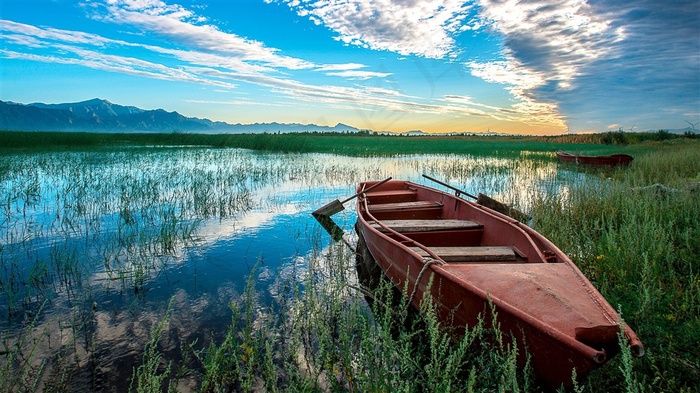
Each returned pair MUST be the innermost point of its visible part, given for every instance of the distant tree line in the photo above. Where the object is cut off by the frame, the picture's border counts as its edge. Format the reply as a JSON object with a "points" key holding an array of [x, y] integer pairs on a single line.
{"points": [[322, 141], [622, 138]]}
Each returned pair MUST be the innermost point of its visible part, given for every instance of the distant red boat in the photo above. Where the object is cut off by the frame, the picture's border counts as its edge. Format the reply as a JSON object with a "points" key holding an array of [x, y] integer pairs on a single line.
{"points": [[464, 255], [612, 160]]}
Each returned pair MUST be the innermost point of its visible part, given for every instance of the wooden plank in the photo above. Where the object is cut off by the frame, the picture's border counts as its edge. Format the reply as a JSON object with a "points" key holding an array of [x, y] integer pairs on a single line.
{"points": [[427, 225], [391, 193], [391, 196], [471, 254], [381, 207]]}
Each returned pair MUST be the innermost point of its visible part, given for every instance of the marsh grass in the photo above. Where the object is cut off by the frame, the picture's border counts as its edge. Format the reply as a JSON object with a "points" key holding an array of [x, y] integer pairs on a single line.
{"points": [[635, 233], [153, 374], [358, 144], [355, 144], [637, 244], [121, 214], [23, 363], [323, 336], [128, 213]]}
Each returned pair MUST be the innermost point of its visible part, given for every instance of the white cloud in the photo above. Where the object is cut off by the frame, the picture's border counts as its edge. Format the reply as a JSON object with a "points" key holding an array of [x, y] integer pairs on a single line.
{"points": [[459, 99], [558, 39], [20, 39], [351, 71], [546, 47], [361, 75], [184, 27], [597, 57], [341, 67], [231, 102], [66, 36], [418, 27], [222, 71], [195, 67], [521, 82], [124, 65], [543, 43], [208, 45], [511, 73]]}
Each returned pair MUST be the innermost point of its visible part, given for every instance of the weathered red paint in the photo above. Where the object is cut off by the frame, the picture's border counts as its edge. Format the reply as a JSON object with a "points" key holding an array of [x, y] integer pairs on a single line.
{"points": [[612, 160]]}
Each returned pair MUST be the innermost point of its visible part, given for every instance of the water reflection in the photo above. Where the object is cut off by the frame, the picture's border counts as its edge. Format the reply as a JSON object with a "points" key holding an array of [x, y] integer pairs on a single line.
{"points": [[95, 244]]}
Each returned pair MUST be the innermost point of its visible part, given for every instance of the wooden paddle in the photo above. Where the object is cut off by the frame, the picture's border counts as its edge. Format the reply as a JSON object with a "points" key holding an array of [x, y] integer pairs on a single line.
{"points": [[489, 202], [337, 206], [457, 190]]}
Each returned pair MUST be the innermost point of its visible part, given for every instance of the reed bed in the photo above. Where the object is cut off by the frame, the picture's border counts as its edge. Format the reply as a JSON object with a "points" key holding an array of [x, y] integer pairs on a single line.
{"points": [[357, 144], [321, 334], [637, 243], [80, 228], [79, 222], [635, 233]]}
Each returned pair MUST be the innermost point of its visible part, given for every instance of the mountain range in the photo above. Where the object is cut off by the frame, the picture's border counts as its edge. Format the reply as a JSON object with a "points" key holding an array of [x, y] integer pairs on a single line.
{"points": [[98, 115]]}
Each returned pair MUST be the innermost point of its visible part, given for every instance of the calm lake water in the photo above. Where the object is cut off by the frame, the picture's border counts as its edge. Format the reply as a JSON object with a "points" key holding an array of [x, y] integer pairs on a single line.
{"points": [[94, 245]]}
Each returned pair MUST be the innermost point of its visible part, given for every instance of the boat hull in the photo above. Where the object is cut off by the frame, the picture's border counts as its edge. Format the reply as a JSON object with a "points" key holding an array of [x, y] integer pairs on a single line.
{"points": [[554, 314], [610, 161]]}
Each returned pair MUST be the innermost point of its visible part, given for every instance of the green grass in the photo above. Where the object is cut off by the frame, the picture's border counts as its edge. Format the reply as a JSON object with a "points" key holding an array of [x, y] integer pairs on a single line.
{"points": [[359, 144], [639, 245], [326, 338]]}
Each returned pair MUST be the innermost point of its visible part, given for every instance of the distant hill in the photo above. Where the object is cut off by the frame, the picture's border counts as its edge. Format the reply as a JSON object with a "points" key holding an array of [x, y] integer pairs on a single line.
{"points": [[99, 115]]}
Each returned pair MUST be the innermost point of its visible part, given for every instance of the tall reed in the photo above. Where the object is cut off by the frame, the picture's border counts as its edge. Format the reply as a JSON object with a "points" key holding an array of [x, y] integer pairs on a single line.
{"points": [[635, 233], [323, 336], [77, 222]]}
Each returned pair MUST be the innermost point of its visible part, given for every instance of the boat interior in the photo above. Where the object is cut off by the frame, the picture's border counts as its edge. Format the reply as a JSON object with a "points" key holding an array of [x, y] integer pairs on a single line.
{"points": [[472, 244], [422, 225]]}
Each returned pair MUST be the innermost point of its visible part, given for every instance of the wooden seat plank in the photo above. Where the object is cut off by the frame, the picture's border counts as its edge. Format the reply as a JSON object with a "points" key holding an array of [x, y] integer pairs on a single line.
{"points": [[389, 193], [471, 254], [427, 225], [391, 196], [381, 207]]}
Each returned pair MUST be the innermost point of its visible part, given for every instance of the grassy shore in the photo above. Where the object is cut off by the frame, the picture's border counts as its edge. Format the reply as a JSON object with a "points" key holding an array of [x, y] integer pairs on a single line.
{"points": [[359, 144], [636, 235]]}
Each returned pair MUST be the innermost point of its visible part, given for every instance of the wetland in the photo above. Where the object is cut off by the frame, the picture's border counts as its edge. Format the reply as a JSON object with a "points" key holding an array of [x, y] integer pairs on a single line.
{"points": [[199, 268]]}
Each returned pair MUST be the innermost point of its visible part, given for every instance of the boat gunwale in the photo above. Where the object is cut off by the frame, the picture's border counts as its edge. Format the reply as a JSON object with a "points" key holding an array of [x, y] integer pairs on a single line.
{"points": [[611, 160], [598, 356]]}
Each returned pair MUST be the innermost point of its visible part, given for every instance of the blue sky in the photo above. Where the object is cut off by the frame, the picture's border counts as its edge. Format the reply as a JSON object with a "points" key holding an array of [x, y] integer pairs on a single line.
{"points": [[536, 66]]}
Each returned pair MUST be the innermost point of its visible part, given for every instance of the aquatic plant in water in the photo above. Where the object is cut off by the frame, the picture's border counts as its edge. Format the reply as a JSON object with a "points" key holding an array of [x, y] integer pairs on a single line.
{"points": [[107, 236]]}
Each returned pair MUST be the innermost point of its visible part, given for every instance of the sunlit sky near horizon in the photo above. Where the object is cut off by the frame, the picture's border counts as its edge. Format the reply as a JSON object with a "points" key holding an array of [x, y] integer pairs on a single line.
{"points": [[511, 66]]}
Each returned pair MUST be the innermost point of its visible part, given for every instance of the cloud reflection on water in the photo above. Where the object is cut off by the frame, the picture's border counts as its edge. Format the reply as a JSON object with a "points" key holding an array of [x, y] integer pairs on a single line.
{"points": [[153, 226]]}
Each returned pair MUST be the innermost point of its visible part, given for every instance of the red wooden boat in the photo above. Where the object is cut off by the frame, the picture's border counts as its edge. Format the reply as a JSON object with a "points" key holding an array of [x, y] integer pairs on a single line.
{"points": [[462, 254], [612, 160]]}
